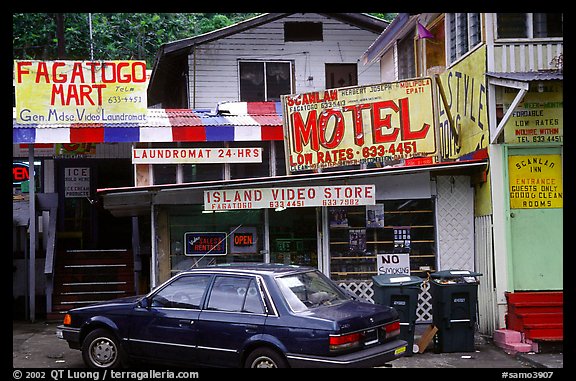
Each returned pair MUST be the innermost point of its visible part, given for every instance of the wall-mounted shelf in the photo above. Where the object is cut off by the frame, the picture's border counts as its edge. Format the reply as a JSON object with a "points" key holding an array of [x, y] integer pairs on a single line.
{"points": [[355, 246]]}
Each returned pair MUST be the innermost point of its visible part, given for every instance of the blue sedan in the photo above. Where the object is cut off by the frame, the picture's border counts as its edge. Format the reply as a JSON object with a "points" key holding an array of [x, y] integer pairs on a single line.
{"points": [[238, 315]]}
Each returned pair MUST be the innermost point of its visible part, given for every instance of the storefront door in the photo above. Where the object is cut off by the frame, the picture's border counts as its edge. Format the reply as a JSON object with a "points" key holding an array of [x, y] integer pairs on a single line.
{"points": [[293, 236]]}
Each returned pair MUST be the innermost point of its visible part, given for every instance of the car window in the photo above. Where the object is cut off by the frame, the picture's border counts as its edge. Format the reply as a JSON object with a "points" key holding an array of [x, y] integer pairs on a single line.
{"points": [[310, 290], [253, 300], [183, 292], [235, 294]]}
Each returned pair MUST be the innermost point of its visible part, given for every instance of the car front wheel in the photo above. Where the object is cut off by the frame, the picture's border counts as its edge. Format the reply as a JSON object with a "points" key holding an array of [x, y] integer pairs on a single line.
{"points": [[265, 358], [101, 350]]}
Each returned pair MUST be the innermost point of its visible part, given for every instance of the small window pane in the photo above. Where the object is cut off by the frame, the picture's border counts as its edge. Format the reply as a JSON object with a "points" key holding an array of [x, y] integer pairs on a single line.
{"points": [[185, 292], [201, 172], [341, 75], [462, 34], [474, 21], [280, 158], [228, 294], [277, 80], [547, 25], [249, 170], [303, 31], [165, 173], [252, 82], [406, 65], [452, 18], [253, 302], [511, 25]]}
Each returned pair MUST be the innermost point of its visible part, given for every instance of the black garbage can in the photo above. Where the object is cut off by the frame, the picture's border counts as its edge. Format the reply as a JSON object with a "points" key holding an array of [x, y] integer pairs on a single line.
{"points": [[454, 305], [400, 292]]}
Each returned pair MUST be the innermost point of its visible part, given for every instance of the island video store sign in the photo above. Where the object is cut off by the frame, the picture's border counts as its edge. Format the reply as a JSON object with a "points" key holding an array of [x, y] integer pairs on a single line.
{"points": [[80, 92], [382, 123]]}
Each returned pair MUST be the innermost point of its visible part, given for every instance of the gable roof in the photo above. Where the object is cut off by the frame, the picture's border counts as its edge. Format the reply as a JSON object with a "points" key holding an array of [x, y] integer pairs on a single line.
{"points": [[172, 56]]}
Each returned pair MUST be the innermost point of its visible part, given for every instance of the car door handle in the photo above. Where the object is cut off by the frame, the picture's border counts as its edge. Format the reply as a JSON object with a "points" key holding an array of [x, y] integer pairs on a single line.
{"points": [[185, 323], [251, 328]]}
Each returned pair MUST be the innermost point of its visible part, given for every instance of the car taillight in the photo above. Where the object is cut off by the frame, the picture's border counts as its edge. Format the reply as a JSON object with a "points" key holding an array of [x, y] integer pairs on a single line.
{"points": [[344, 342], [67, 319], [392, 329]]}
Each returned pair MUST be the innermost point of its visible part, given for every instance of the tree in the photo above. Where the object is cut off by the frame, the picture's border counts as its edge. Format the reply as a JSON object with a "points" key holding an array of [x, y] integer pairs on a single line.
{"points": [[115, 36]]}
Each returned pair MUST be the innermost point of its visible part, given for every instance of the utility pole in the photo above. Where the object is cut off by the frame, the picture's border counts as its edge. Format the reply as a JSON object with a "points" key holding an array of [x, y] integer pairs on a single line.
{"points": [[60, 35]]}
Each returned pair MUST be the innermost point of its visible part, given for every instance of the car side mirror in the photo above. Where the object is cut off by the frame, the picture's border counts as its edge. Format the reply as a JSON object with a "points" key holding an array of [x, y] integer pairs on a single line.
{"points": [[144, 303]]}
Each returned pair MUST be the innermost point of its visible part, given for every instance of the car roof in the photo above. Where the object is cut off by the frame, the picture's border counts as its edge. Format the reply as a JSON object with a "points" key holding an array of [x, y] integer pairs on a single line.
{"points": [[273, 269]]}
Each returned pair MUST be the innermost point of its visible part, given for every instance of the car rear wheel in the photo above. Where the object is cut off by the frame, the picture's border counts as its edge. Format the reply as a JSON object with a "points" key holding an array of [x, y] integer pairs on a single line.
{"points": [[100, 349], [265, 358]]}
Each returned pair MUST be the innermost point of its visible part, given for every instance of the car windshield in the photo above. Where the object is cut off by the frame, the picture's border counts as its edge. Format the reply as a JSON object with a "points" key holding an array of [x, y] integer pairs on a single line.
{"points": [[308, 290]]}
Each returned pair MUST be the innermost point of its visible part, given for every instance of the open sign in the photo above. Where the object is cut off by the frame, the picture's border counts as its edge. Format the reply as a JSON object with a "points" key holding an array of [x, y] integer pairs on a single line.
{"points": [[243, 239], [20, 173]]}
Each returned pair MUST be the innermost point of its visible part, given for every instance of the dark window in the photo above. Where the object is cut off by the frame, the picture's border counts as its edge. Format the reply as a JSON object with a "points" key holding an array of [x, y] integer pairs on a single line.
{"points": [[512, 25], [515, 25], [303, 31], [201, 172], [184, 292], [547, 25], [341, 75], [249, 170], [165, 173], [406, 66], [264, 81]]}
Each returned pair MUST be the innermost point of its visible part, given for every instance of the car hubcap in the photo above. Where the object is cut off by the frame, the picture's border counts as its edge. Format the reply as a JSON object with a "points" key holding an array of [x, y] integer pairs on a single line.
{"points": [[263, 362], [103, 352]]}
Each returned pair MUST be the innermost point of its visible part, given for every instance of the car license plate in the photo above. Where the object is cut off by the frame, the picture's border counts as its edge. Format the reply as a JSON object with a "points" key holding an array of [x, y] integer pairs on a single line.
{"points": [[371, 337], [59, 334], [400, 350]]}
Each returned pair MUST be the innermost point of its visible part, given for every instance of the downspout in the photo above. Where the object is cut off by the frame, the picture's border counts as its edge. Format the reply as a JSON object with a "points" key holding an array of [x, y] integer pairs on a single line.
{"points": [[194, 79], [154, 255], [32, 237]]}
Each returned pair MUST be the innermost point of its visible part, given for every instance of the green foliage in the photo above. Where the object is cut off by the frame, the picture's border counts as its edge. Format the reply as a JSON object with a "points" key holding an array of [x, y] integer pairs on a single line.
{"points": [[385, 16], [115, 36]]}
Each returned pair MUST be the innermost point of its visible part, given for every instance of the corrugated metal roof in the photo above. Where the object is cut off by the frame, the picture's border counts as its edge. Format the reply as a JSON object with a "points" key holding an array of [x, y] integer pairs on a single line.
{"points": [[527, 76], [236, 121]]}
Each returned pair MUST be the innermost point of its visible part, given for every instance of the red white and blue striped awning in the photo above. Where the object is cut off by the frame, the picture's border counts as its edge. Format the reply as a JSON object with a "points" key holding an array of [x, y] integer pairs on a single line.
{"points": [[231, 121]]}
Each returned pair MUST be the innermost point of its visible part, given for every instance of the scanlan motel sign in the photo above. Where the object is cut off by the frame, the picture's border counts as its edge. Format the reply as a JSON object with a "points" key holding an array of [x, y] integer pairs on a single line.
{"points": [[350, 126]]}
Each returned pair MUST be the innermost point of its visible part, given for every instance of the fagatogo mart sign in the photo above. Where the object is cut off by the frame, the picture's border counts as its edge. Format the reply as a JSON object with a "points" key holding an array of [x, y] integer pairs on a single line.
{"points": [[66, 92], [338, 195]]}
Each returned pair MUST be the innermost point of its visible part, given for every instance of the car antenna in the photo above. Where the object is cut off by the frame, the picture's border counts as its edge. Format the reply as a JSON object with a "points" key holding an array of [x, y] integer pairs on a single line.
{"points": [[215, 246]]}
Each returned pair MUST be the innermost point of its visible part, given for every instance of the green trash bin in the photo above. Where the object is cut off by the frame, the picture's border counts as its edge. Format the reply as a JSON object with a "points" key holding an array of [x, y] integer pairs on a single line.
{"points": [[400, 292], [454, 305]]}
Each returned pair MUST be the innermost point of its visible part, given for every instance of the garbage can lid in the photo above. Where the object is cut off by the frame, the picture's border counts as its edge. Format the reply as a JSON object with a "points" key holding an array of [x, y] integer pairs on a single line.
{"points": [[454, 274], [396, 280]]}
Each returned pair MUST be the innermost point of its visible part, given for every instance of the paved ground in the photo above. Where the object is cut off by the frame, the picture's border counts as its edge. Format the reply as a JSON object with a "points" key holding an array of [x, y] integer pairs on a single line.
{"points": [[35, 345]]}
